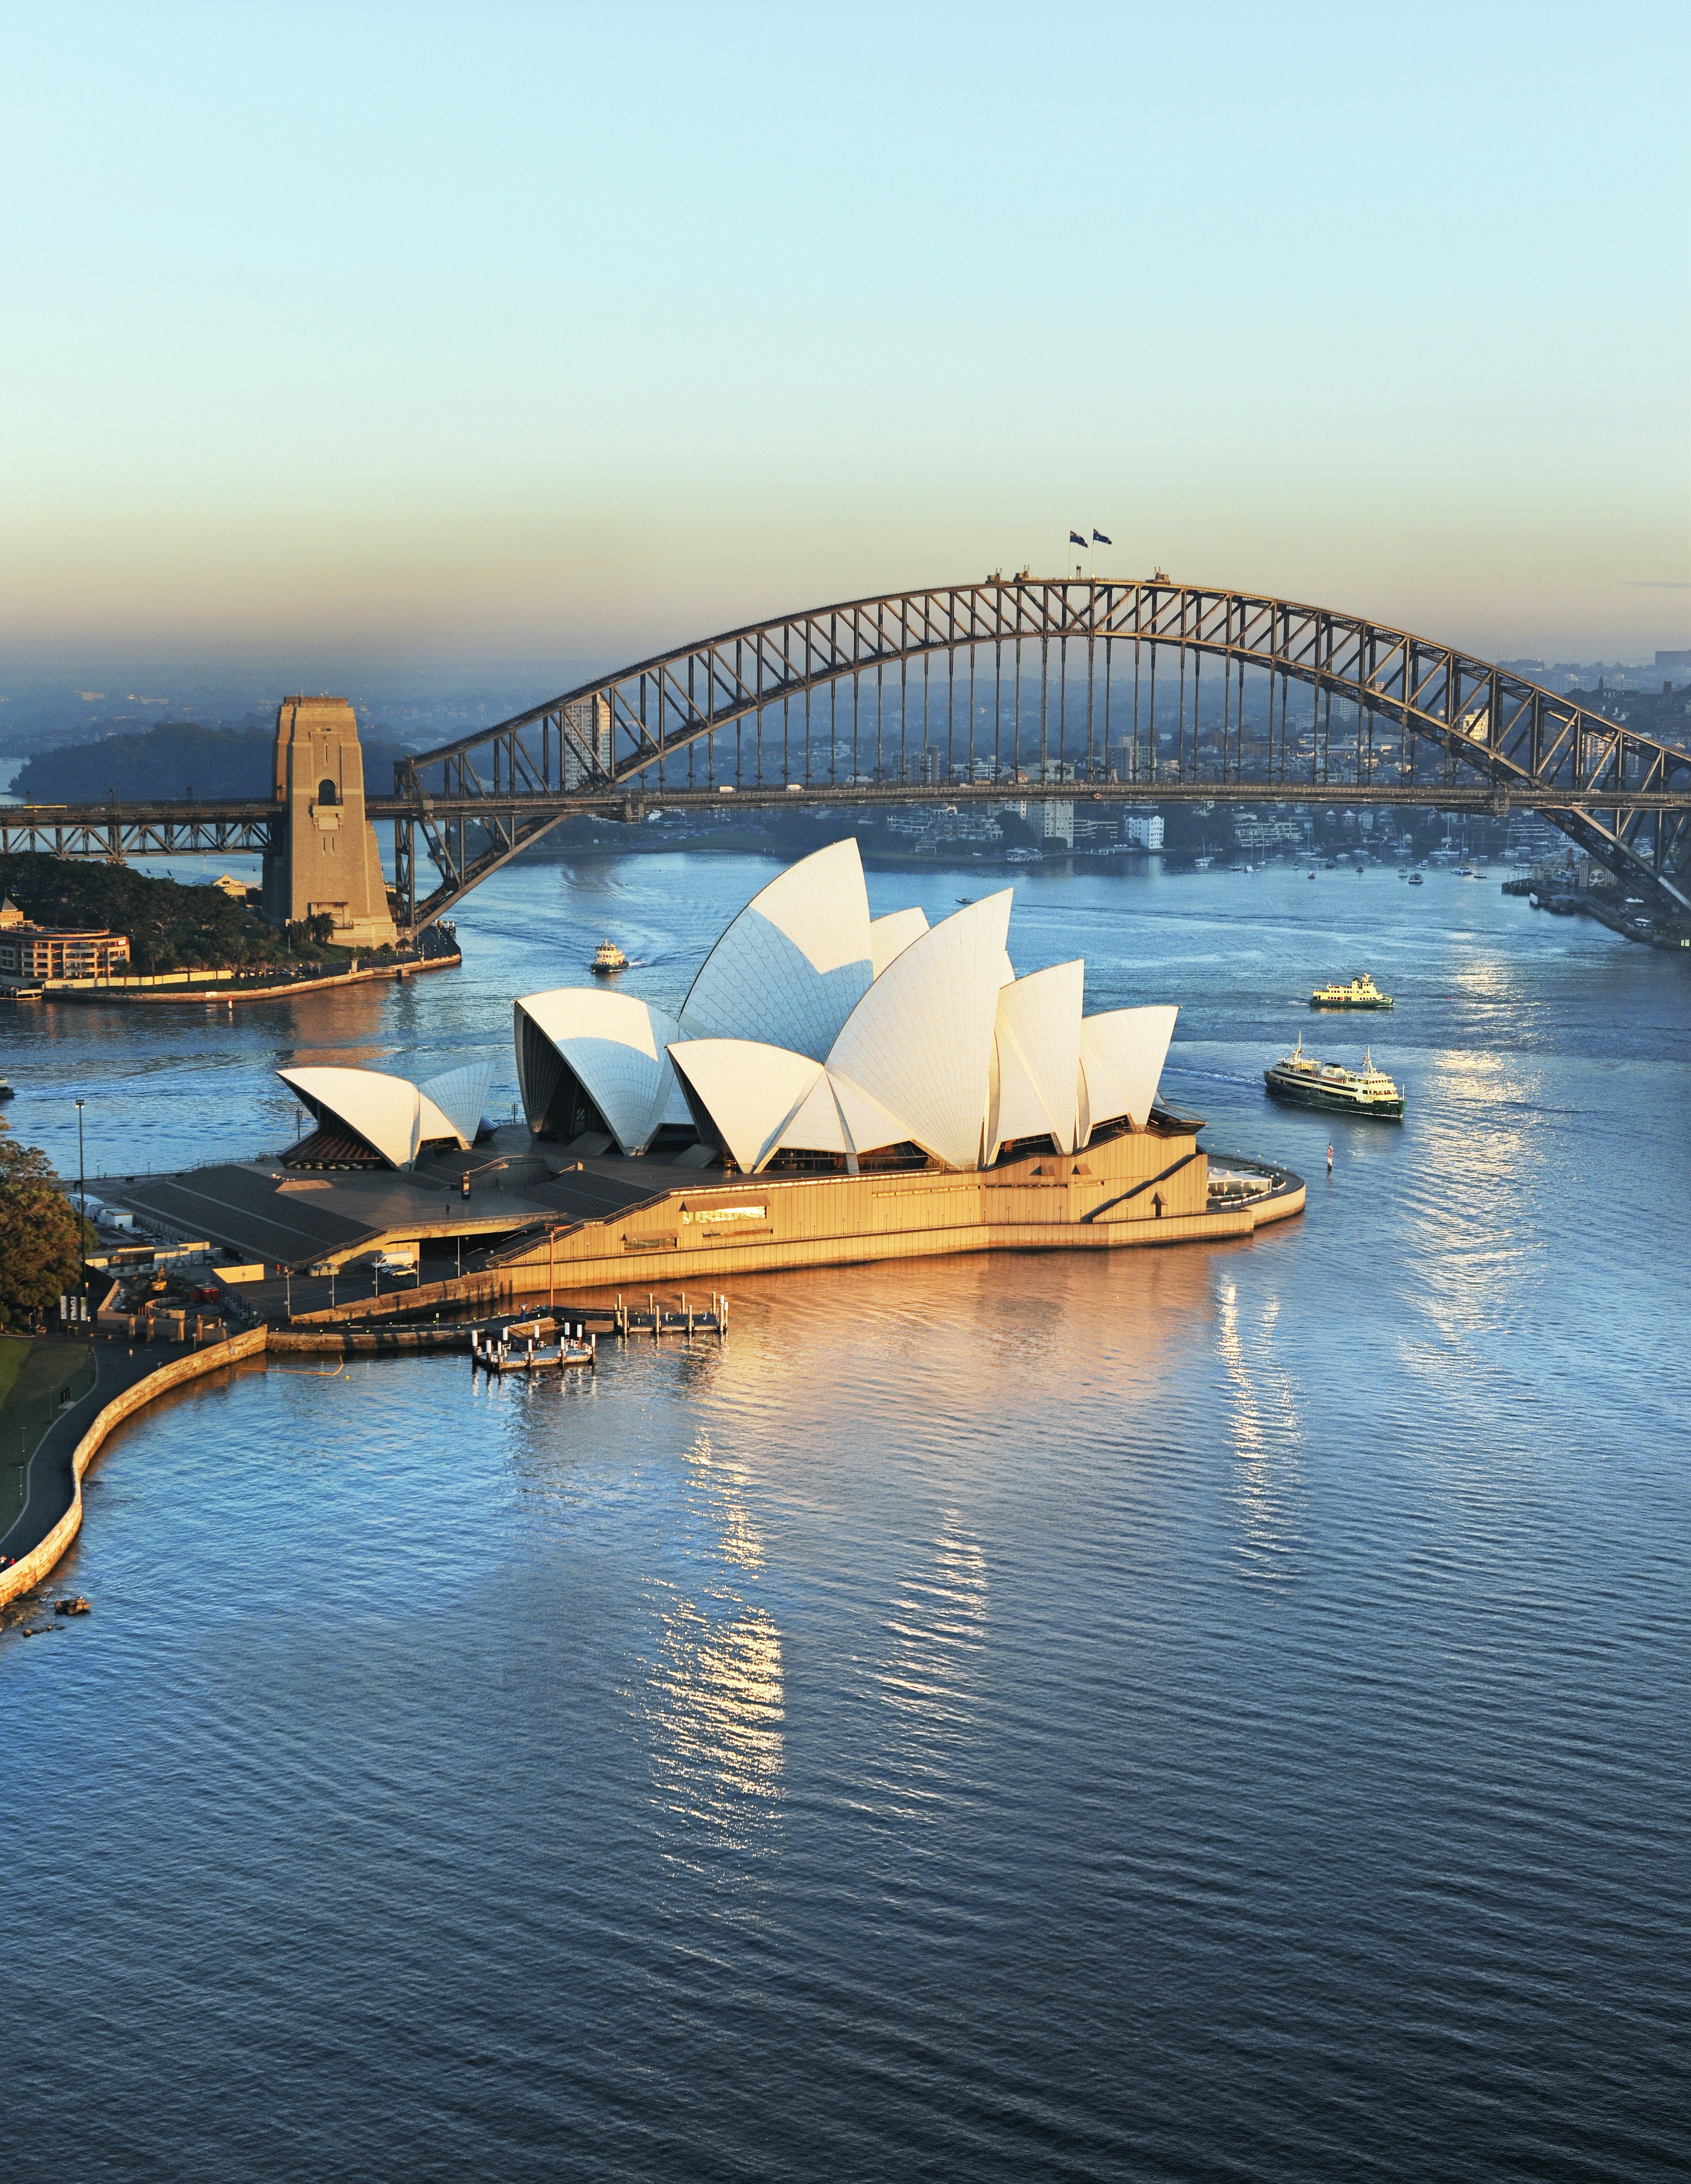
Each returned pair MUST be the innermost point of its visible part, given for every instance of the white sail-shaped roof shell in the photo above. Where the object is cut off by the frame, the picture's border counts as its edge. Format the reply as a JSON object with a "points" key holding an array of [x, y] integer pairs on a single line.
{"points": [[816, 1128], [1038, 1032], [794, 963], [760, 1100], [455, 1100], [868, 1124], [1122, 1053], [750, 1091], [919, 1043], [617, 1046], [891, 935], [385, 1111]]}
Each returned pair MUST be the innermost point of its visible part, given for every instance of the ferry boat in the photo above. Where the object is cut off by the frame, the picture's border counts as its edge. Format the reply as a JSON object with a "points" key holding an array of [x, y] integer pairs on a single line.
{"points": [[1360, 993], [608, 958], [1307, 1083]]}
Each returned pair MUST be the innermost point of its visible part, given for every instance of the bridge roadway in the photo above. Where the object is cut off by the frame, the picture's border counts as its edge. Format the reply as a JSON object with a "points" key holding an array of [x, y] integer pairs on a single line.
{"points": [[232, 826]]}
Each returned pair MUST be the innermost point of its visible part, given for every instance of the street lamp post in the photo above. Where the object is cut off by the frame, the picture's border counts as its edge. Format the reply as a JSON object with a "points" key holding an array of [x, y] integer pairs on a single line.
{"points": [[81, 1166]]}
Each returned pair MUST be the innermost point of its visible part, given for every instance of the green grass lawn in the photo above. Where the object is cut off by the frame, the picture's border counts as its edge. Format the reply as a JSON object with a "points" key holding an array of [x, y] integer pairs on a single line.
{"points": [[34, 1377]]}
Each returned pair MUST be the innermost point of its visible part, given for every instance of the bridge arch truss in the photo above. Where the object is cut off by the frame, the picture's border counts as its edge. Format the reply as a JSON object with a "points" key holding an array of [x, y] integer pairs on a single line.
{"points": [[1064, 685]]}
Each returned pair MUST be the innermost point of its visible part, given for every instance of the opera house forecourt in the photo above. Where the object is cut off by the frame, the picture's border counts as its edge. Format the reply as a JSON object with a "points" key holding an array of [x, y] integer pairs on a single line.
{"points": [[833, 1088]]}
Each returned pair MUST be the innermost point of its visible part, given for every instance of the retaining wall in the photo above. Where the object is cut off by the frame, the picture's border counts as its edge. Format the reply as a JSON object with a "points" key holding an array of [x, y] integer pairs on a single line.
{"points": [[31, 1568]]}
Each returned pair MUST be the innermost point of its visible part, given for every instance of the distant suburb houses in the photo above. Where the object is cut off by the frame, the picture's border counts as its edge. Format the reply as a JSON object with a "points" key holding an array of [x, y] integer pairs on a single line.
{"points": [[31, 953]]}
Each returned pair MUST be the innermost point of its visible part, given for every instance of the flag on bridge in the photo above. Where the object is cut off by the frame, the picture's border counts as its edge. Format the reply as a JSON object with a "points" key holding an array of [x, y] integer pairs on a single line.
{"points": [[1076, 539], [1098, 539]]}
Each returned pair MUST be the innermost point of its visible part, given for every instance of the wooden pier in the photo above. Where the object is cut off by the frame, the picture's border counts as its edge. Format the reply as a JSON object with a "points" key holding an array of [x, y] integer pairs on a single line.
{"points": [[567, 1336], [512, 1353]]}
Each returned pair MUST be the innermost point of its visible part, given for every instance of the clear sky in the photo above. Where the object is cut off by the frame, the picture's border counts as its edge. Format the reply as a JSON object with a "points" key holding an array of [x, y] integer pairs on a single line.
{"points": [[362, 333]]}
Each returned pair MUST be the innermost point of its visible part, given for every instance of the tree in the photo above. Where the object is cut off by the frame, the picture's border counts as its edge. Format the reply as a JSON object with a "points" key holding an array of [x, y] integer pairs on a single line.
{"points": [[41, 1232]]}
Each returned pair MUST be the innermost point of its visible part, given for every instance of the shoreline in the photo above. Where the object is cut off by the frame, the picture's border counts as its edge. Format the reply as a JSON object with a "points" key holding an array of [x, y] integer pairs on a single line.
{"points": [[200, 996], [38, 1561]]}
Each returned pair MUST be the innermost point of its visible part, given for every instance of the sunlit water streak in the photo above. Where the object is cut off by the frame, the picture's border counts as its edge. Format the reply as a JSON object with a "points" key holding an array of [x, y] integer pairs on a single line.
{"points": [[1214, 1711]]}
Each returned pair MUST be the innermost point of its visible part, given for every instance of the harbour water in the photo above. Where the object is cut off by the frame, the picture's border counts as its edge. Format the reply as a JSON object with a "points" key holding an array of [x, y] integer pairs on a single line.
{"points": [[1214, 1711]]}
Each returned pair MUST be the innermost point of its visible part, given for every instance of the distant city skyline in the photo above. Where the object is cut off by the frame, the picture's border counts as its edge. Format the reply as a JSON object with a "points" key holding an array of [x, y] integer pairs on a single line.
{"points": [[416, 339]]}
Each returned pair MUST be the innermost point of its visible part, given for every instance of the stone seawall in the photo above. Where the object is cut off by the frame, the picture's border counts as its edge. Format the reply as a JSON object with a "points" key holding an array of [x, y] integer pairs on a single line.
{"points": [[204, 995], [30, 1569], [379, 1342]]}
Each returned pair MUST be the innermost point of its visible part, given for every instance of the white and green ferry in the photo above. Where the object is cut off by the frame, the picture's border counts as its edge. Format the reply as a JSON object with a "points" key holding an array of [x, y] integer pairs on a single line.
{"points": [[1307, 1083]]}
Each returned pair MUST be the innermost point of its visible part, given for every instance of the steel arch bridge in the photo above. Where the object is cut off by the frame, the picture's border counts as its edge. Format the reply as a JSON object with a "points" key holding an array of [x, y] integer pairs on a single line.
{"points": [[1065, 686], [1058, 683]]}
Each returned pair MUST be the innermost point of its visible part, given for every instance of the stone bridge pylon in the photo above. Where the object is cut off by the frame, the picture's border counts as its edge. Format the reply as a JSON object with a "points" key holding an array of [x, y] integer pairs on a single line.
{"points": [[324, 857]]}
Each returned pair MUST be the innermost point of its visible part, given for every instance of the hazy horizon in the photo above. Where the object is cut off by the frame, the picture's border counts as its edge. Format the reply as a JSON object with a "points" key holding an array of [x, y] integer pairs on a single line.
{"points": [[419, 338]]}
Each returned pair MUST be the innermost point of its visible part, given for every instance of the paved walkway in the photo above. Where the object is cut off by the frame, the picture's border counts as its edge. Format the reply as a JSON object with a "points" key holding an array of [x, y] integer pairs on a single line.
{"points": [[50, 1486]]}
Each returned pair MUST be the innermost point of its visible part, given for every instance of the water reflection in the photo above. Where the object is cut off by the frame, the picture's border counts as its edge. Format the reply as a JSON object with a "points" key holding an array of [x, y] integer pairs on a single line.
{"points": [[715, 1707], [930, 1678], [1268, 1436]]}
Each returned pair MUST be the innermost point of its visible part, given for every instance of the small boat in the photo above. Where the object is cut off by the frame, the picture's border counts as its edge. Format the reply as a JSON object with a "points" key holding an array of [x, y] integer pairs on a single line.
{"points": [[965, 899], [6, 1092], [1360, 993], [608, 958], [1305, 1082], [1416, 880]]}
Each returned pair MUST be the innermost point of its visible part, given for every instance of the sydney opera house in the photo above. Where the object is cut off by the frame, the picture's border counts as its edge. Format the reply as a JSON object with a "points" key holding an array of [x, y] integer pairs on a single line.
{"points": [[817, 1039], [833, 1087]]}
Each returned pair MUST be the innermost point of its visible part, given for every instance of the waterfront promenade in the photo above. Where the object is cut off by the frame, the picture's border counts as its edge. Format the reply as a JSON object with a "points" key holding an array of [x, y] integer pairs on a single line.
{"points": [[126, 1378]]}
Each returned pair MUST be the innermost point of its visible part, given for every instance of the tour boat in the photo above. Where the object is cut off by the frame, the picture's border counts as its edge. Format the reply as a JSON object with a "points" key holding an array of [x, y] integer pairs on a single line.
{"points": [[1307, 1083], [608, 958], [1360, 993]]}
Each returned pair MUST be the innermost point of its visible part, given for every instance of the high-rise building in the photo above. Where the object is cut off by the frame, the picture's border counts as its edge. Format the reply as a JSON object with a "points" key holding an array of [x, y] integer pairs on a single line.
{"points": [[587, 741], [1052, 818]]}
